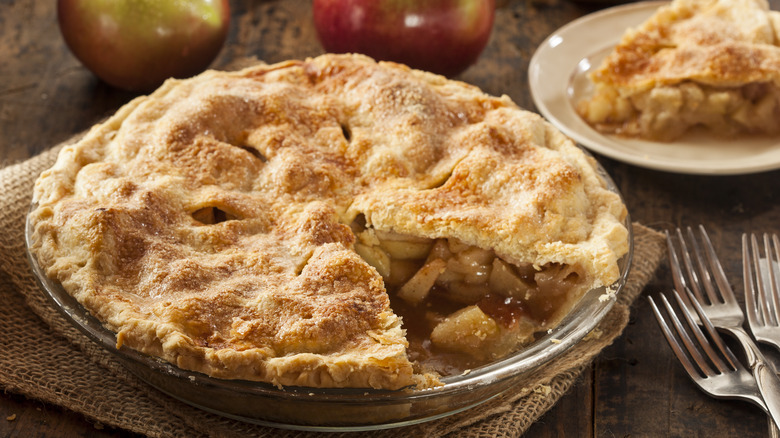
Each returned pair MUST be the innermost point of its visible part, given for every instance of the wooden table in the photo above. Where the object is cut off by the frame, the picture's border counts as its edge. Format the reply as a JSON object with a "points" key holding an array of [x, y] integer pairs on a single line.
{"points": [[635, 387]]}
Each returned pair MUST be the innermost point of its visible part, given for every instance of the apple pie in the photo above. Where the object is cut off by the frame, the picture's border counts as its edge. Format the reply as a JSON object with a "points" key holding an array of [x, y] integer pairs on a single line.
{"points": [[332, 222], [694, 63]]}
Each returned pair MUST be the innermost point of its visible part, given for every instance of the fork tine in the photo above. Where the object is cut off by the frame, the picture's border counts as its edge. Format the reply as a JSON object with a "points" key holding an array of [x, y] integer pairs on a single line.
{"points": [[750, 256], [674, 262], [774, 288], [758, 286], [702, 341], [714, 335], [768, 284], [686, 362], [698, 271], [680, 282], [726, 293], [775, 291]]}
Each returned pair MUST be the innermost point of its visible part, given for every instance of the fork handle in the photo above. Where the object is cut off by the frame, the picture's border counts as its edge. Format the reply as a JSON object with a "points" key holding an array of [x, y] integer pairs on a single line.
{"points": [[769, 385], [767, 380]]}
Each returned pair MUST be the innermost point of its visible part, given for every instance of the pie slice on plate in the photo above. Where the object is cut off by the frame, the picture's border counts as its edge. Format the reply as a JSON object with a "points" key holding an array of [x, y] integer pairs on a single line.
{"points": [[333, 222], [694, 63]]}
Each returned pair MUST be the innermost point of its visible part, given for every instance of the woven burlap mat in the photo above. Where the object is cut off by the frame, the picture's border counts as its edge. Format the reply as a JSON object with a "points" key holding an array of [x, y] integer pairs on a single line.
{"points": [[43, 357]]}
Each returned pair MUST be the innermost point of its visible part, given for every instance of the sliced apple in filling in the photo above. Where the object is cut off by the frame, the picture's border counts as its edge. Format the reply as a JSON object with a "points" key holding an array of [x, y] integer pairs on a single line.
{"points": [[466, 301]]}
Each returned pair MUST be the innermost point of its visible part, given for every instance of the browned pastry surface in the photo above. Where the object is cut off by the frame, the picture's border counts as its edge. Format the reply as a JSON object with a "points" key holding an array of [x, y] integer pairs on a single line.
{"points": [[712, 63], [214, 223]]}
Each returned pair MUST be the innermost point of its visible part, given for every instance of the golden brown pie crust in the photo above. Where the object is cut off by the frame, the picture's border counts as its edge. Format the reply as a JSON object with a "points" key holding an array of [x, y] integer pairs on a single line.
{"points": [[209, 222]]}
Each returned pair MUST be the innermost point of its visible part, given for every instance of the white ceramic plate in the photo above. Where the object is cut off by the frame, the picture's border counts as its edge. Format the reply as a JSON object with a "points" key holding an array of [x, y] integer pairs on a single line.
{"points": [[558, 78]]}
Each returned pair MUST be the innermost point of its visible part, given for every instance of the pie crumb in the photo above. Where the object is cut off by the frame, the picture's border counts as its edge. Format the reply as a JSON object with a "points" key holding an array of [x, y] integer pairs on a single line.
{"points": [[593, 334], [543, 389], [608, 294]]}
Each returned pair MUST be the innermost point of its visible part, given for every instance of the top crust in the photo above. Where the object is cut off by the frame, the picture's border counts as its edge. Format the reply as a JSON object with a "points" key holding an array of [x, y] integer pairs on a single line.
{"points": [[723, 43], [208, 223]]}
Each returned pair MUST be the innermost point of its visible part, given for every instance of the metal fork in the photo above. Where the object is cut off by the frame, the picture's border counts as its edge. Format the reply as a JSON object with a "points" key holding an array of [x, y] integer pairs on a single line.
{"points": [[721, 308], [762, 291], [729, 379], [701, 268]]}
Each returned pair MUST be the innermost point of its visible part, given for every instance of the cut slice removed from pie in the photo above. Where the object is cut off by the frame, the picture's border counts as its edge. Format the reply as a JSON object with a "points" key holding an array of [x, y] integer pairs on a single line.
{"points": [[705, 64]]}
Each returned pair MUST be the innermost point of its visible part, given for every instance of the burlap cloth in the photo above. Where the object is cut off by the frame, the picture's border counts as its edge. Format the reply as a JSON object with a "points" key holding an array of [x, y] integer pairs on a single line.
{"points": [[43, 357]]}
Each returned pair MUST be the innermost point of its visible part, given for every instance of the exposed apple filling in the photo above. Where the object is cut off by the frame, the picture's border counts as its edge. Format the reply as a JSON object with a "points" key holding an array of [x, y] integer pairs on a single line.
{"points": [[462, 305], [667, 111]]}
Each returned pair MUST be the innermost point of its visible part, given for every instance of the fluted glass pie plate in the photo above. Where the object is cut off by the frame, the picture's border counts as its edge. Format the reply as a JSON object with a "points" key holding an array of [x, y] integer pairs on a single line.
{"points": [[348, 409]]}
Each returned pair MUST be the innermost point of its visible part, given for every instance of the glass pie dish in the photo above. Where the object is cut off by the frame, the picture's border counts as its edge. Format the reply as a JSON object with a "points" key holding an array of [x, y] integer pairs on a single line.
{"points": [[344, 409]]}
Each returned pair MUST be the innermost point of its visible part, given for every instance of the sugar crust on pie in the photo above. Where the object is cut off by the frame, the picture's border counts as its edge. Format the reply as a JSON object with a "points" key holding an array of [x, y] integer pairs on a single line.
{"points": [[259, 224], [693, 63]]}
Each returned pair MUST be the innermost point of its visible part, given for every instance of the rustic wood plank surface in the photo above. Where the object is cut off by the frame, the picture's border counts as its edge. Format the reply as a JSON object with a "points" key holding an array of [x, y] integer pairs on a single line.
{"points": [[635, 387]]}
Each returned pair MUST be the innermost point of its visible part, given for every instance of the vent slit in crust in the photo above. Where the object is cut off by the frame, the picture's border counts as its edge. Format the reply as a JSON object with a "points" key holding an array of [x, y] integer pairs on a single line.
{"points": [[346, 132], [212, 215], [255, 153]]}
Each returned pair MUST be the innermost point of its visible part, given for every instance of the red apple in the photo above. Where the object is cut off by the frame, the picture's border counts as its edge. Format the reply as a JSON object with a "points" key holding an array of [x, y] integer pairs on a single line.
{"points": [[137, 44], [442, 36]]}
